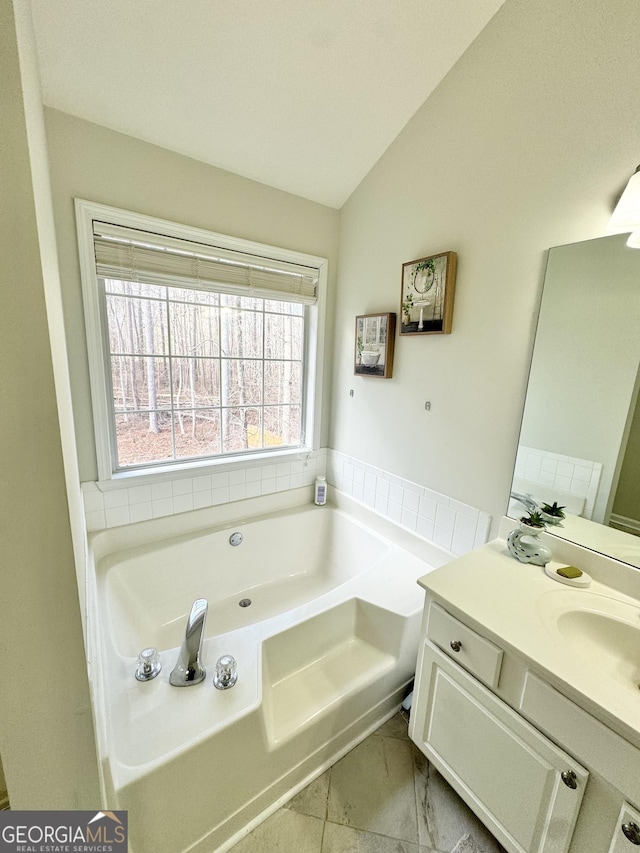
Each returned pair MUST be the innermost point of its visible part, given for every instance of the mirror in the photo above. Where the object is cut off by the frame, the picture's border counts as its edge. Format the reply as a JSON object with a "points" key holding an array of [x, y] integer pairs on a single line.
{"points": [[580, 437]]}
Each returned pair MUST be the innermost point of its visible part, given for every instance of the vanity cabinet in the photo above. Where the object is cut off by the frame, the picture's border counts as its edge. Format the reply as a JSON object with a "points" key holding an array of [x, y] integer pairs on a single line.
{"points": [[515, 749]]}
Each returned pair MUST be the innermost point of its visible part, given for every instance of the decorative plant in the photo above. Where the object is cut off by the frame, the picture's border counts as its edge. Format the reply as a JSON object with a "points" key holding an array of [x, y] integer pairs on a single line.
{"points": [[424, 266], [553, 510], [533, 519], [407, 305]]}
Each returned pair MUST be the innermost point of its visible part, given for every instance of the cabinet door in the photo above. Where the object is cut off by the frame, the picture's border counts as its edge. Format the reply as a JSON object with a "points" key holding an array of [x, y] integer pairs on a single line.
{"points": [[626, 838], [526, 790]]}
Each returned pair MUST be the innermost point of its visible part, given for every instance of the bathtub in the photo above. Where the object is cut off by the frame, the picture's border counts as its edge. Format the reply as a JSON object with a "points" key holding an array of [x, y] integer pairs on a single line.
{"points": [[325, 651]]}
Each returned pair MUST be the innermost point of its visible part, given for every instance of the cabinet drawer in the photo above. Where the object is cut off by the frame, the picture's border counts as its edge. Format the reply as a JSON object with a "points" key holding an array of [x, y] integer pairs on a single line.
{"points": [[475, 653], [604, 751], [626, 843]]}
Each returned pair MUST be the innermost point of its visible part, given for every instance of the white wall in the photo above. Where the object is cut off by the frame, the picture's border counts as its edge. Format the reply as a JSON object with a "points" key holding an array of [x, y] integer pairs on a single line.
{"points": [[46, 732], [523, 146], [91, 162]]}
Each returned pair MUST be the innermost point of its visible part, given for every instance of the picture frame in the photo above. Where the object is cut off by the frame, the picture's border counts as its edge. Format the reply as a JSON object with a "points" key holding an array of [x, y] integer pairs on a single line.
{"points": [[374, 345], [426, 295]]}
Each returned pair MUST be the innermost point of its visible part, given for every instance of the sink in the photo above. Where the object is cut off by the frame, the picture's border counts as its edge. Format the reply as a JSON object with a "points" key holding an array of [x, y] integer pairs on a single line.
{"points": [[602, 630]]}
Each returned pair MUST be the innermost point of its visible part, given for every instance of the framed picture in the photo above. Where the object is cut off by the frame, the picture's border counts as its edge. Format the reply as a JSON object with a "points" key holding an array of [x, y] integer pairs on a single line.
{"points": [[375, 336], [428, 285]]}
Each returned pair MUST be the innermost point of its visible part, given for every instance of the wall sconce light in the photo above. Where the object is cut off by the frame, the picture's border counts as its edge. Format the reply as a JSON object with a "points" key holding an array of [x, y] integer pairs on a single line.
{"points": [[626, 216]]}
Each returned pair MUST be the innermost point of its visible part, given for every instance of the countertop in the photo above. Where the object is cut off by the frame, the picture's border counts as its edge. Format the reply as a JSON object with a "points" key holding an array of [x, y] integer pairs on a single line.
{"points": [[514, 604]]}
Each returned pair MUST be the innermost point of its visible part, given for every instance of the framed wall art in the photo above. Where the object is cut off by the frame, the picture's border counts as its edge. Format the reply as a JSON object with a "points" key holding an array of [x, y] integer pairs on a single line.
{"points": [[375, 337], [428, 286]]}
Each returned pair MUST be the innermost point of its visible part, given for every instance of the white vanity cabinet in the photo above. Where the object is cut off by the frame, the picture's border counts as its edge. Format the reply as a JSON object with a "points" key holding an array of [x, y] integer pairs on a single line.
{"points": [[515, 749]]}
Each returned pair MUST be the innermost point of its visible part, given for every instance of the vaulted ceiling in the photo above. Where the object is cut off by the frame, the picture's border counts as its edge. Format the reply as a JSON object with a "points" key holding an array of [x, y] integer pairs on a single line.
{"points": [[303, 95]]}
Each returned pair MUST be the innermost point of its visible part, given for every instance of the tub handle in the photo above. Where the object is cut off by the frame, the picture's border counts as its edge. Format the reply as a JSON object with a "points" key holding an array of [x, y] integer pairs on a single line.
{"points": [[226, 673]]}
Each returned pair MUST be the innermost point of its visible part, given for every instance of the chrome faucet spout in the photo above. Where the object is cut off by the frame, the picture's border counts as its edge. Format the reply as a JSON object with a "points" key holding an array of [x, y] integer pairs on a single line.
{"points": [[188, 669], [527, 501]]}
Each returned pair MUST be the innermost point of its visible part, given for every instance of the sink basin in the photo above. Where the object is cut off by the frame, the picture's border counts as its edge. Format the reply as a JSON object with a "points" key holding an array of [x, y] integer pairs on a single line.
{"points": [[603, 631]]}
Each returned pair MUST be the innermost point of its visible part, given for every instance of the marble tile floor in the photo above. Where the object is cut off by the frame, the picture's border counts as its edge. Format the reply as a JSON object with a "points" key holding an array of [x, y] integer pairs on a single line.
{"points": [[382, 797]]}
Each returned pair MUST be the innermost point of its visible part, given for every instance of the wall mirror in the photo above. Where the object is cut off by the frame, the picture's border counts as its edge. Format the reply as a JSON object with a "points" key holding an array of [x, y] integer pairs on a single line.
{"points": [[580, 437]]}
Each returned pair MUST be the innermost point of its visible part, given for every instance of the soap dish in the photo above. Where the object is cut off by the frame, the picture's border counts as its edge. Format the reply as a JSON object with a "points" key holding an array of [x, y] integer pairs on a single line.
{"points": [[582, 581]]}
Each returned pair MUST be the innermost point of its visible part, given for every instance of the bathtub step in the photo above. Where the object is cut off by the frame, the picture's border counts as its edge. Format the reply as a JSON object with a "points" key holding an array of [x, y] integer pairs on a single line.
{"points": [[298, 700], [312, 668]]}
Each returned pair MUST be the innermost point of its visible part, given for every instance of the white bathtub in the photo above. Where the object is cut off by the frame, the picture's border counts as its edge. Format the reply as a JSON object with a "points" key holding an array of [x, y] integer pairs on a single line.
{"points": [[325, 653]]}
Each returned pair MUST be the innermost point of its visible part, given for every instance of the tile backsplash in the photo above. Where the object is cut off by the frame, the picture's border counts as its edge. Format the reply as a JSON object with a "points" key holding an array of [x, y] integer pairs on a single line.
{"points": [[127, 505], [449, 523], [579, 477]]}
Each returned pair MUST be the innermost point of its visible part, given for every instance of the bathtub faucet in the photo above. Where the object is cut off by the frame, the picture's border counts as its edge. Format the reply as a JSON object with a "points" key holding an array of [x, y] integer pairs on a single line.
{"points": [[188, 669], [527, 501]]}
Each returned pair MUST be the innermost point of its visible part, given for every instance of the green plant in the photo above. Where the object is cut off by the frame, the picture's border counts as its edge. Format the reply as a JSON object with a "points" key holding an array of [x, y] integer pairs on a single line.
{"points": [[553, 510], [533, 519], [423, 266], [407, 305]]}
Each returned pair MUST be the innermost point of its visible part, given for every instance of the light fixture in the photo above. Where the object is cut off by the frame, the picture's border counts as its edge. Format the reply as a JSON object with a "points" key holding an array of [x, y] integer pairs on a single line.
{"points": [[626, 216]]}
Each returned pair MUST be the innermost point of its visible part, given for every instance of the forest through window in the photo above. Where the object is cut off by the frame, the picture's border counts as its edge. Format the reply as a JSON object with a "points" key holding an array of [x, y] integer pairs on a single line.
{"points": [[196, 373]]}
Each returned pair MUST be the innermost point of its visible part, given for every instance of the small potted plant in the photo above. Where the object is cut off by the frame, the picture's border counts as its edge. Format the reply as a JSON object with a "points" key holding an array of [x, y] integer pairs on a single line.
{"points": [[532, 523], [407, 306], [552, 513]]}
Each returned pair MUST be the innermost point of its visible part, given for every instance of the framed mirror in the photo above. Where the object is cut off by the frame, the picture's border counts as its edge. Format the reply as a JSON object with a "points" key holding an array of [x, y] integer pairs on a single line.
{"points": [[580, 438]]}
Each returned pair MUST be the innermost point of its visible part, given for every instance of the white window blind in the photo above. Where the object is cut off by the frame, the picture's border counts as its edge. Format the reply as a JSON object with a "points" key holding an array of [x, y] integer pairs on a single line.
{"points": [[129, 254]]}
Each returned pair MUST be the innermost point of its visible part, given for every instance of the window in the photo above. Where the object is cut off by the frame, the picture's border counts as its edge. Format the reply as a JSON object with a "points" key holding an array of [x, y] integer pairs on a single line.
{"points": [[202, 348]]}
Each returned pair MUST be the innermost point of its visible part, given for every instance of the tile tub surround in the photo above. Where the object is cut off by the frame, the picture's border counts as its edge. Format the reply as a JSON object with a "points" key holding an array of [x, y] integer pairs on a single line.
{"points": [[382, 797], [580, 477], [449, 523], [117, 506]]}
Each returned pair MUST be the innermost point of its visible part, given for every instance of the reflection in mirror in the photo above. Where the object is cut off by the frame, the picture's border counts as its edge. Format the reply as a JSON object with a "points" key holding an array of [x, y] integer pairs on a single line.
{"points": [[580, 438]]}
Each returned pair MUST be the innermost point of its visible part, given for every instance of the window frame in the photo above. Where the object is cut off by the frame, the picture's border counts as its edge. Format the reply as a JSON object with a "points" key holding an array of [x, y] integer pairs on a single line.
{"points": [[99, 358]]}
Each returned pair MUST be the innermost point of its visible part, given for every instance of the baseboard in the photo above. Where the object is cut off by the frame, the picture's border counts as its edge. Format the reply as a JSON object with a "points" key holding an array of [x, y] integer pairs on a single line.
{"points": [[621, 522]]}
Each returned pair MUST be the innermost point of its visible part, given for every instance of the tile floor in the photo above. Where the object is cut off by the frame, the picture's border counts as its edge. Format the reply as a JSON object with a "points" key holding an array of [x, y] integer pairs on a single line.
{"points": [[382, 797]]}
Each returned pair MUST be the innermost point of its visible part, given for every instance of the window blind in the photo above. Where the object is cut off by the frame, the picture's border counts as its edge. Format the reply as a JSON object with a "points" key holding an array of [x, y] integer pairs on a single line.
{"points": [[129, 254]]}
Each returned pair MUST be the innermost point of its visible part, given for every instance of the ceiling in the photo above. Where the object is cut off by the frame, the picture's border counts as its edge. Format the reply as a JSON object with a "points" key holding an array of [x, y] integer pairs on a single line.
{"points": [[302, 95]]}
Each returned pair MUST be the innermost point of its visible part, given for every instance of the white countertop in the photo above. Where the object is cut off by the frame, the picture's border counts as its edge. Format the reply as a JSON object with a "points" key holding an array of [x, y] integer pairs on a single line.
{"points": [[514, 604]]}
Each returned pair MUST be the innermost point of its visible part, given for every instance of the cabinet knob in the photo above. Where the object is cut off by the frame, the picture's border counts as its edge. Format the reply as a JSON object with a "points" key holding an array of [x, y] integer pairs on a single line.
{"points": [[570, 779], [456, 645], [632, 832]]}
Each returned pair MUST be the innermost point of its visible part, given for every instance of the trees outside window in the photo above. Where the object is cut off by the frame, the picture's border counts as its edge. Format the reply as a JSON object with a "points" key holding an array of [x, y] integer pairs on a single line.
{"points": [[196, 373], [201, 346]]}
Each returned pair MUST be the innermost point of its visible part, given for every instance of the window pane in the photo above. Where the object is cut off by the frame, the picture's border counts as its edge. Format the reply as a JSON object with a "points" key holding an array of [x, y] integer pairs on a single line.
{"points": [[137, 325], [283, 336], [241, 333], [281, 425], [282, 382], [194, 329], [241, 429], [248, 302], [144, 438], [140, 382], [295, 308], [186, 294], [135, 288], [197, 433], [241, 382], [196, 382]]}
